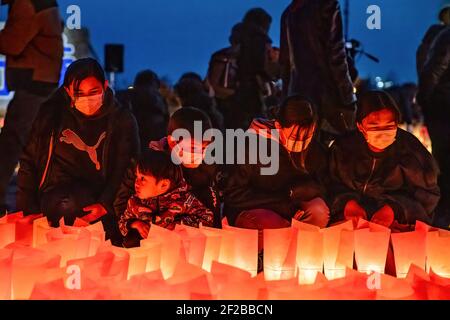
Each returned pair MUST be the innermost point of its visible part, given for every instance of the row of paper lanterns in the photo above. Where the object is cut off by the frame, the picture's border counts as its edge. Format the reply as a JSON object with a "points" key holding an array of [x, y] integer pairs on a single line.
{"points": [[35, 252]]}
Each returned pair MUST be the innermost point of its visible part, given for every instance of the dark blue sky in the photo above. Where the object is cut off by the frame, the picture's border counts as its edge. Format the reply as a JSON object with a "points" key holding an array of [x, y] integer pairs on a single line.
{"points": [[175, 36]]}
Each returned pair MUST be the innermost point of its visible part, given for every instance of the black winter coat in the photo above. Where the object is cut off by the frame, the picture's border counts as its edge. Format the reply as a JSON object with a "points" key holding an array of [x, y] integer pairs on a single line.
{"points": [[314, 59], [434, 80], [121, 145], [425, 46], [245, 188], [404, 176]]}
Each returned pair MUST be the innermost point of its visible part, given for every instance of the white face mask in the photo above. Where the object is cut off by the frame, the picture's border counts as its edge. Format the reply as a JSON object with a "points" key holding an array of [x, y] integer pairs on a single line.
{"points": [[381, 139], [183, 153], [89, 105]]}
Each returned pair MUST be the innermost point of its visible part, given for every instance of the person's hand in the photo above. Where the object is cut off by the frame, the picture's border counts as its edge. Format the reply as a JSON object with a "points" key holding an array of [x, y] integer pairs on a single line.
{"points": [[142, 227], [385, 216], [298, 215], [354, 211], [94, 212]]}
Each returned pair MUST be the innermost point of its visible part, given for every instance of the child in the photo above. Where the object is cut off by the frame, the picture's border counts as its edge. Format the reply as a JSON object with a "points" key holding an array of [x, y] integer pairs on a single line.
{"points": [[160, 198], [202, 179]]}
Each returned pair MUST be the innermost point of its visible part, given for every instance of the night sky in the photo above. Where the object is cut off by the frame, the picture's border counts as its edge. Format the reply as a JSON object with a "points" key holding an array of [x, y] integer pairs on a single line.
{"points": [[175, 36]]}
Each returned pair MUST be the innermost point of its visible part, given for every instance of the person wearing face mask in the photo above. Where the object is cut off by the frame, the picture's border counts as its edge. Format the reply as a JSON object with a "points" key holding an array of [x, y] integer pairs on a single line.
{"points": [[81, 144], [381, 172], [202, 179], [256, 201]]}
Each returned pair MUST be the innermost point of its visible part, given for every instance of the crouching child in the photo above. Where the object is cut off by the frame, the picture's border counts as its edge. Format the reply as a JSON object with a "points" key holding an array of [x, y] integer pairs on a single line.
{"points": [[161, 198]]}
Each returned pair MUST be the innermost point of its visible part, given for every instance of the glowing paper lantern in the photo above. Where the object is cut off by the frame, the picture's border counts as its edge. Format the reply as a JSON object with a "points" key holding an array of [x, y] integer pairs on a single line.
{"points": [[68, 242], [240, 249], [338, 242], [280, 251], [7, 232], [409, 248], [309, 251], [24, 228], [40, 229], [118, 270], [28, 266], [355, 286], [144, 259], [97, 234], [171, 248], [371, 248], [193, 278], [438, 254], [194, 244], [392, 288], [212, 246], [5, 273], [56, 290], [229, 283], [95, 267]]}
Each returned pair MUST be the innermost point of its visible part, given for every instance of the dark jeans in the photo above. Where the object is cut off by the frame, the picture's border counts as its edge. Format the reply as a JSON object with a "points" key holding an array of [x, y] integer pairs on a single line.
{"points": [[248, 104], [21, 112], [315, 212], [440, 139], [67, 201]]}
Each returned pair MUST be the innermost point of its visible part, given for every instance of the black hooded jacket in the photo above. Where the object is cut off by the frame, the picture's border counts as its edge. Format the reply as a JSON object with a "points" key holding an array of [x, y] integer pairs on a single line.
{"points": [[434, 80], [245, 188], [404, 177], [62, 150], [313, 56]]}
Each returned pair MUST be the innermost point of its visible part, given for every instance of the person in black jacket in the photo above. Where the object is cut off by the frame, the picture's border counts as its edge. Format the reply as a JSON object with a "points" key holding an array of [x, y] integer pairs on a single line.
{"points": [[382, 172], [81, 144], [192, 94], [222, 75], [148, 106], [256, 201], [32, 43], [202, 179], [431, 34], [252, 75], [314, 61], [434, 98]]}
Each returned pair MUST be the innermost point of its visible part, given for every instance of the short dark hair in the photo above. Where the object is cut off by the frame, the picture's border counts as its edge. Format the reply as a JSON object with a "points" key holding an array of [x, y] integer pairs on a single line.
{"points": [[443, 11], [376, 100], [259, 17], [147, 78], [159, 165], [236, 32], [297, 110], [185, 118], [191, 76], [82, 69]]}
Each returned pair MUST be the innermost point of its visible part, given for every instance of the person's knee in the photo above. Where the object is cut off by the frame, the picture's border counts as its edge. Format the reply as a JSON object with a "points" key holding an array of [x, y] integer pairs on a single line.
{"points": [[317, 213], [261, 219]]}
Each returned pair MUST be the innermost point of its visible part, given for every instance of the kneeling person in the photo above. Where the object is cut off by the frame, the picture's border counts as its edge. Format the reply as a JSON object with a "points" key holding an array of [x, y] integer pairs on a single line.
{"points": [[381, 172]]}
